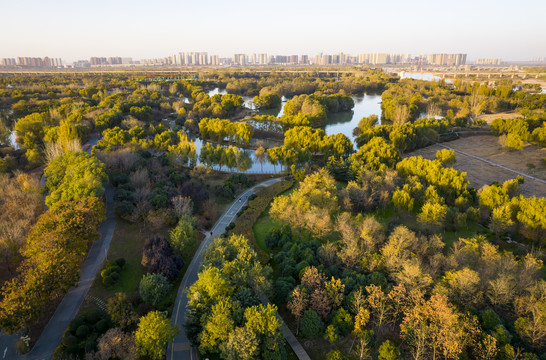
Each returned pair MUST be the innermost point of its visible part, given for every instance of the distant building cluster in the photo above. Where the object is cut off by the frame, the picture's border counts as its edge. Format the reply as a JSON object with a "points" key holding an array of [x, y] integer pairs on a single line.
{"points": [[264, 59], [489, 61], [116, 60], [204, 59], [34, 62], [385, 58], [446, 59], [184, 59]]}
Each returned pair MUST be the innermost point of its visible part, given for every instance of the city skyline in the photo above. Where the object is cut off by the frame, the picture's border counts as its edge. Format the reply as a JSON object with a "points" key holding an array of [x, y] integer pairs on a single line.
{"points": [[204, 59], [62, 29]]}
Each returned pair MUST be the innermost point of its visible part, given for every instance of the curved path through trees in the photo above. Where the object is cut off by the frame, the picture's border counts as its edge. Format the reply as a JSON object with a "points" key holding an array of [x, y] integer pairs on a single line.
{"points": [[180, 348]]}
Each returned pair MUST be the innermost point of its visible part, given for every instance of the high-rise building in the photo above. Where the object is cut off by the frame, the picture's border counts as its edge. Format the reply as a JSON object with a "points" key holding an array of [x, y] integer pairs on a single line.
{"points": [[33, 62], [214, 60], [304, 60], [262, 59], [240, 59], [446, 59], [8, 62], [489, 61], [81, 64]]}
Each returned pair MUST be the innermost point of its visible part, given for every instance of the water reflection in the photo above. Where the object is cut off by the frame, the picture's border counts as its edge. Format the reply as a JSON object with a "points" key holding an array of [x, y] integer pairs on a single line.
{"points": [[345, 122]]}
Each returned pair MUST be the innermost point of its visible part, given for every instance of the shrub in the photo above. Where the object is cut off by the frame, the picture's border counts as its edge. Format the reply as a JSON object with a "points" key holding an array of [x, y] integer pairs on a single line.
{"points": [[69, 340], [311, 325], [143, 309], [118, 179], [106, 272], [113, 267], [445, 156], [21, 346], [73, 349], [108, 281], [490, 319], [335, 355], [120, 262], [102, 325], [93, 316], [124, 209], [76, 323], [82, 331]]}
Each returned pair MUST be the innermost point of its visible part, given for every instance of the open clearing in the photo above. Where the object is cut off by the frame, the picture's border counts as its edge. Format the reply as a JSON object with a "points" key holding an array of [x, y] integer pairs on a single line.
{"points": [[488, 118], [480, 173]]}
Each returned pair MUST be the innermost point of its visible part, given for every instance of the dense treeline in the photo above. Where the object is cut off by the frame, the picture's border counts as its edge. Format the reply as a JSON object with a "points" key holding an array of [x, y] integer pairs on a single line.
{"points": [[289, 85], [53, 253], [344, 275], [220, 129], [531, 128], [406, 100], [224, 314], [315, 107]]}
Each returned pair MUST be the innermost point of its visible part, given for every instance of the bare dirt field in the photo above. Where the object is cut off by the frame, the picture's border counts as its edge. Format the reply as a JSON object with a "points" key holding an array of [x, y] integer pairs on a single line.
{"points": [[488, 118], [481, 173]]}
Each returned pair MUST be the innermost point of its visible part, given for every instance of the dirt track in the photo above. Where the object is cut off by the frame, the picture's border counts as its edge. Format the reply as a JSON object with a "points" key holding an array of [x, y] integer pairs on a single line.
{"points": [[480, 173]]}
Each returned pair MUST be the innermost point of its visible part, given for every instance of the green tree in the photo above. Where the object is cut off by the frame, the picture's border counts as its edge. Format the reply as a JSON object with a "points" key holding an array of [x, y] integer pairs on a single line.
{"points": [[153, 288], [121, 311], [183, 237], [402, 200], [311, 325], [242, 344], [53, 253], [531, 307], [331, 334], [387, 351], [432, 214], [153, 334], [511, 141], [218, 326], [377, 154], [73, 176]]}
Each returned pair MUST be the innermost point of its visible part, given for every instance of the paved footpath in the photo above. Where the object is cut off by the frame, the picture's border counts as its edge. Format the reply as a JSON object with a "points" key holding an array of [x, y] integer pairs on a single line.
{"points": [[181, 348]]}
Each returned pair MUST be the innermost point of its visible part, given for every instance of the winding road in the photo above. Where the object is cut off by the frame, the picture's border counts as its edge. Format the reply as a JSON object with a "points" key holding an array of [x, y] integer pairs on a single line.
{"points": [[180, 348]]}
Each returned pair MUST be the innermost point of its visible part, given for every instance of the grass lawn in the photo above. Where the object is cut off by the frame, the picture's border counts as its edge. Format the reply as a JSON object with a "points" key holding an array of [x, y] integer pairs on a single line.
{"points": [[127, 242], [262, 227]]}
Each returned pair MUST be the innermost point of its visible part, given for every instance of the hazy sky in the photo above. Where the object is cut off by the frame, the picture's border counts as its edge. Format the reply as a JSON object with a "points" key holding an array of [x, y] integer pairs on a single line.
{"points": [[76, 29]]}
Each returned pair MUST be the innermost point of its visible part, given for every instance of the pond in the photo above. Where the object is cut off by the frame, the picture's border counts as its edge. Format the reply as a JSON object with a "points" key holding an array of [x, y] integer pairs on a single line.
{"points": [[343, 122]]}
